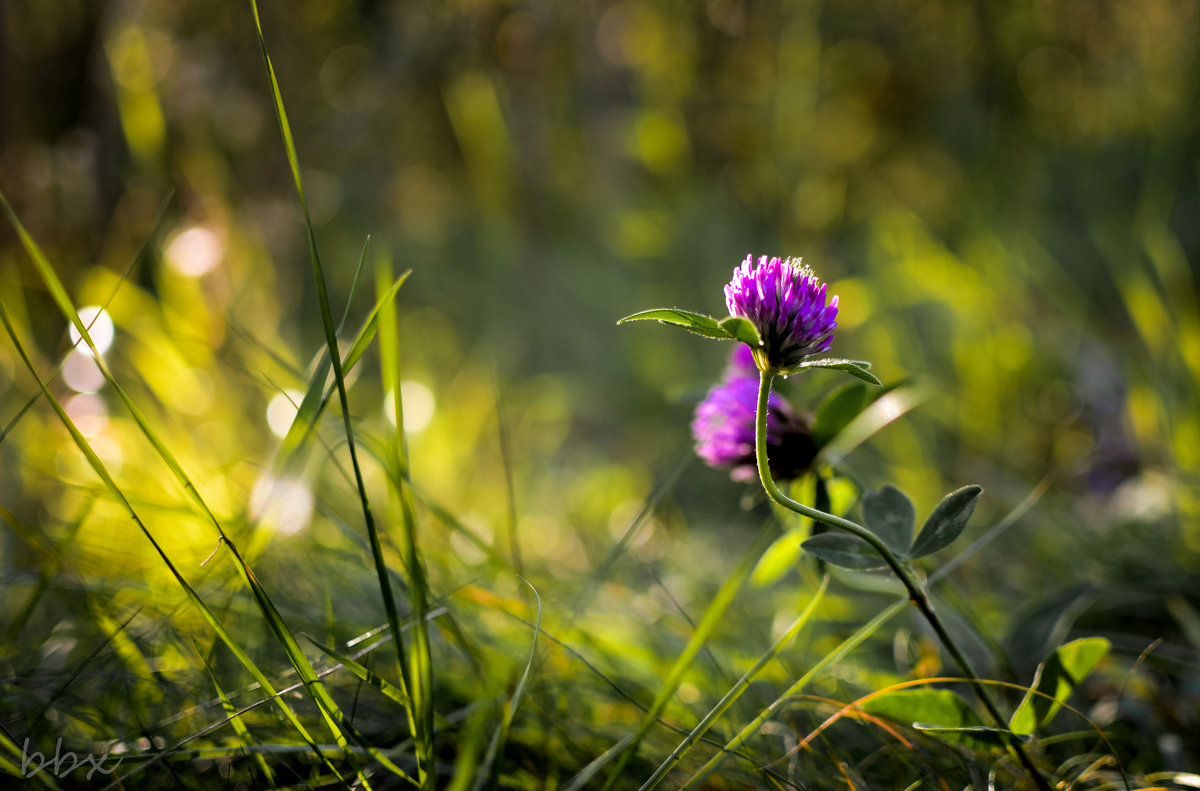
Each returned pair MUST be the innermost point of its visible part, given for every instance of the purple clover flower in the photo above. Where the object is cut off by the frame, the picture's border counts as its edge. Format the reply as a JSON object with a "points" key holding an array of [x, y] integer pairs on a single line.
{"points": [[723, 427], [785, 301]]}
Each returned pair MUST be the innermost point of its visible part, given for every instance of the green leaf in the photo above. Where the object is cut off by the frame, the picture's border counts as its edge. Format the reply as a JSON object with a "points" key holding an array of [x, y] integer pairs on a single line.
{"points": [[836, 412], [947, 521], [1056, 678], [778, 560], [891, 516], [853, 367], [845, 550], [943, 707], [695, 322], [942, 712], [743, 330]]}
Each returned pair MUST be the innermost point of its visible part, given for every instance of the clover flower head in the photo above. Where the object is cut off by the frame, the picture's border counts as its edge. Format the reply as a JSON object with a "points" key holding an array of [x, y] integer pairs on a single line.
{"points": [[785, 301], [723, 428]]}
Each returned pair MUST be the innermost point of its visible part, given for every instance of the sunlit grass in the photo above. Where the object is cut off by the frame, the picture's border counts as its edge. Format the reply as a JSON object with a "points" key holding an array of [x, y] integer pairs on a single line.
{"points": [[440, 529]]}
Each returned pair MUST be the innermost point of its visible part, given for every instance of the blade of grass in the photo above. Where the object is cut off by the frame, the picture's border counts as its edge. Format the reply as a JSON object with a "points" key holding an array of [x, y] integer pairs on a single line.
{"points": [[612, 753], [736, 691], [422, 733], [418, 588], [712, 618], [622, 693], [599, 762], [366, 674]]}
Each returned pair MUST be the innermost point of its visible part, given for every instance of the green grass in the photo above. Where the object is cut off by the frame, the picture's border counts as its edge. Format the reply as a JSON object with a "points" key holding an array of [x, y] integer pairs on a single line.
{"points": [[538, 588]]}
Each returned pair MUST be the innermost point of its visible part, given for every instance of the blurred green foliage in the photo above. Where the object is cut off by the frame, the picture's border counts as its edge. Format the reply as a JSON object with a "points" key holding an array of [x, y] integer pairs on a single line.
{"points": [[1006, 197]]}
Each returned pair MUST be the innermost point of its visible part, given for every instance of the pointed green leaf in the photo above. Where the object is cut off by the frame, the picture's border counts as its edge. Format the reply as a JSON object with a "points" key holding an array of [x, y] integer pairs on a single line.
{"points": [[853, 367], [778, 560], [836, 412], [695, 322], [947, 521], [845, 550], [891, 516], [369, 328], [486, 775], [742, 329], [942, 707], [1056, 679]]}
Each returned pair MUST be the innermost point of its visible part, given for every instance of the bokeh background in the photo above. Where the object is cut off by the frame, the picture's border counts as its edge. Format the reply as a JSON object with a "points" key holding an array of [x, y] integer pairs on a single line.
{"points": [[1005, 195]]}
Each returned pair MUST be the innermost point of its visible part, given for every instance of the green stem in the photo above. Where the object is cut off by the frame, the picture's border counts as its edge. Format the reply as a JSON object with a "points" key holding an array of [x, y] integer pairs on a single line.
{"points": [[916, 593]]}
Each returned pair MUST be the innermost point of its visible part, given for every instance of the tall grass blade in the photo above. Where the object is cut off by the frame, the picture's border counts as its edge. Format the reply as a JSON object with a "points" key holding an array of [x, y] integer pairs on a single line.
{"points": [[158, 218], [422, 733], [599, 762], [418, 588], [367, 675], [13, 761]]}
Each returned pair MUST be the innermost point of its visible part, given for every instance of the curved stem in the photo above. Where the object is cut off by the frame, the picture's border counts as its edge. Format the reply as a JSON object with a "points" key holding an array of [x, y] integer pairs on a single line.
{"points": [[916, 592]]}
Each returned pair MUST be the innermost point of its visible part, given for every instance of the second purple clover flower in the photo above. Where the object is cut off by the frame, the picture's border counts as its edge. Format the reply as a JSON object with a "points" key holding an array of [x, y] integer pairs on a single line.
{"points": [[785, 301], [723, 427]]}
